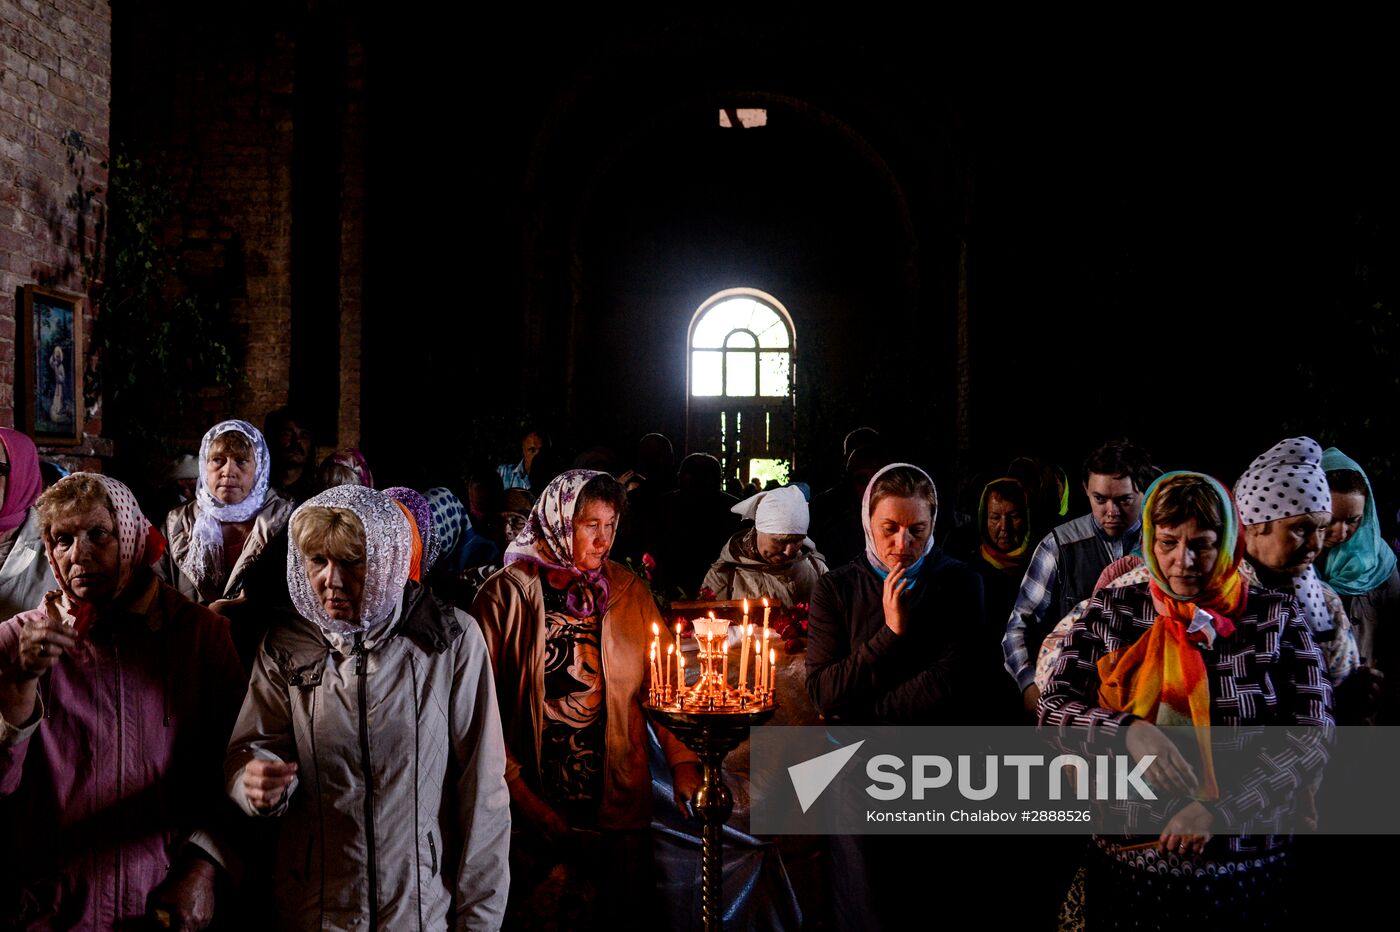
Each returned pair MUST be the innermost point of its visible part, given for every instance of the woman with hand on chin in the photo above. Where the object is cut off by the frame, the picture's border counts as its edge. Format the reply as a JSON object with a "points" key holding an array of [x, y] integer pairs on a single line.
{"points": [[569, 631], [892, 634], [893, 639], [370, 725]]}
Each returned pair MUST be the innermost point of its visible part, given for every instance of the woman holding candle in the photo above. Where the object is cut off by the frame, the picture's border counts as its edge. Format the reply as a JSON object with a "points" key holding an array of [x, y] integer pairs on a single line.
{"points": [[370, 727], [569, 633], [893, 640]]}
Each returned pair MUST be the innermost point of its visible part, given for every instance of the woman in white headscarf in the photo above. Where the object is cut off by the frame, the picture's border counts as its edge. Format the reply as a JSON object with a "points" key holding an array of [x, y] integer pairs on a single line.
{"points": [[379, 698], [217, 539], [772, 557]]}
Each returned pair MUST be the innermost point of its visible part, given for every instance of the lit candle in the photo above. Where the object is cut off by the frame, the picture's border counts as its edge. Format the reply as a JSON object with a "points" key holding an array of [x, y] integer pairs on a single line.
{"points": [[766, 609], [747, 631], [655, 674], [666, 680], [772, 660], [758, 666], [655, 650], [724, 674], [678, 638], [680, 675]]}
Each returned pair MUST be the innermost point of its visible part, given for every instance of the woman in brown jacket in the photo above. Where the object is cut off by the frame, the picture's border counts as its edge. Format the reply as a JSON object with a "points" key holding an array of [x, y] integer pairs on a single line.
{"points": [[567, 631]]}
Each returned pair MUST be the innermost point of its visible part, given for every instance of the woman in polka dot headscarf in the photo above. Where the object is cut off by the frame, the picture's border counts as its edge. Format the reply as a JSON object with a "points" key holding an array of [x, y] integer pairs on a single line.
{"points": [[1285, 506]]}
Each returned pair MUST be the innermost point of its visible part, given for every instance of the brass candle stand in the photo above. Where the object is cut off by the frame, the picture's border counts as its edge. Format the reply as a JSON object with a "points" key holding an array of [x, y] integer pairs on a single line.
{"points": [[712, 735], [712, 718]]}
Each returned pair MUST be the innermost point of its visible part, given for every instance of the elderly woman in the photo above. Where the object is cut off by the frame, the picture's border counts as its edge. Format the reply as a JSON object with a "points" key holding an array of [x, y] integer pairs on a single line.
{"points": [[217, 539], [1357, 562], [1187, 648], [1285, 507], [893, 640], [772, 557], [24, 572], [569, 631], [115, 694], [371, 727]]}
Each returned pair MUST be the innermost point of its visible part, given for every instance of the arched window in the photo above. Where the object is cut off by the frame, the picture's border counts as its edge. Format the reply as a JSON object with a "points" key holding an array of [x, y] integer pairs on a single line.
{"points": [[741, 378]]}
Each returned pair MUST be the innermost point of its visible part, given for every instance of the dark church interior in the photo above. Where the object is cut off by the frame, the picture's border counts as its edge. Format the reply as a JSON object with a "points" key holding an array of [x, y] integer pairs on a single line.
{"points": [[429, 234]]}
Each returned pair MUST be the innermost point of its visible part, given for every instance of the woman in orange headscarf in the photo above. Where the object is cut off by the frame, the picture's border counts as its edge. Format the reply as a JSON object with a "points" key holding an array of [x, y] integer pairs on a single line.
{"points": [[1193, 646]]}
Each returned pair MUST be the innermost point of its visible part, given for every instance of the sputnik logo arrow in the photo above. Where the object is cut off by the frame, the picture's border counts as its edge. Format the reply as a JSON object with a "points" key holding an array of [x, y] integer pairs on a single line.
{"points": [[811, 777]]}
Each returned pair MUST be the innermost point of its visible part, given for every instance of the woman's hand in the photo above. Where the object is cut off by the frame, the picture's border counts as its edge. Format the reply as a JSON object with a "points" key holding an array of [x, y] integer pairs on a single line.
{"points": [[686, 780], [186, 900], [1170, 771], [1188, 831], [265, 782], [41, 643], [550, 824], [895, 584]]}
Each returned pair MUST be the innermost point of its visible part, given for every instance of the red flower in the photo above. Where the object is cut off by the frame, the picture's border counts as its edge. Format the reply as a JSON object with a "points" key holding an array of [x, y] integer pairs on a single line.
{"points": [[648, 561]]}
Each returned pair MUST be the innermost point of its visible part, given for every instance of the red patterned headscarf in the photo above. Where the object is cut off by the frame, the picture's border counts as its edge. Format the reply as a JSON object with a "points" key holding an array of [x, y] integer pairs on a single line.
{"points": [[138, 545]]}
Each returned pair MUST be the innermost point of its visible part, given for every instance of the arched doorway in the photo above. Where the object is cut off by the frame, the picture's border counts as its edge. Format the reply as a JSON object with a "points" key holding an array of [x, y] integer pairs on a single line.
{"points": [[740, 378]]}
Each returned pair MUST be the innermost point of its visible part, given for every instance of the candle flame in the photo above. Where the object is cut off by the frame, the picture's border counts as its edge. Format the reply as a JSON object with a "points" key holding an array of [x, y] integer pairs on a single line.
{"points": [[670, 649], [655, 630], [746, 606], [765, 601]]}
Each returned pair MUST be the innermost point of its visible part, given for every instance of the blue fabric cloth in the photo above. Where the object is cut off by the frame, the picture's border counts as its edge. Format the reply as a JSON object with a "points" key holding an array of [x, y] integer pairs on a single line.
{"points": [[1365, 561], [513, 475]]}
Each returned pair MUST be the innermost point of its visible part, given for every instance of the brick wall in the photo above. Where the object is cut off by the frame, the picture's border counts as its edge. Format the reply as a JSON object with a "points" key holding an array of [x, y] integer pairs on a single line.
{"points": [[217, 106], [229, 157], [55, 92]]}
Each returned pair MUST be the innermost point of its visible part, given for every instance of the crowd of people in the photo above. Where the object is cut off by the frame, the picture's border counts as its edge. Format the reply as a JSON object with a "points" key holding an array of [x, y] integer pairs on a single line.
{"points": [[296, 697]]}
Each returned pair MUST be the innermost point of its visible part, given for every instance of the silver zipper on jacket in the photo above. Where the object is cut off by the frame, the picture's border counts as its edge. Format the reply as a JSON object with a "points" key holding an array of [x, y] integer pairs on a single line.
{"points": [[361, 664]]}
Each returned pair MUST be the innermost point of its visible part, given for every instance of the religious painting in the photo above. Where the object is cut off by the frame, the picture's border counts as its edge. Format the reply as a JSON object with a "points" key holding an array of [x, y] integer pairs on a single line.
{"points": [[51, 358]]}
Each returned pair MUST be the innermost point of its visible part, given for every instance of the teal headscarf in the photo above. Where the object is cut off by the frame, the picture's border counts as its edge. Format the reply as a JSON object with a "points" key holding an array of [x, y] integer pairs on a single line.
{"points": [[1365, 560]]}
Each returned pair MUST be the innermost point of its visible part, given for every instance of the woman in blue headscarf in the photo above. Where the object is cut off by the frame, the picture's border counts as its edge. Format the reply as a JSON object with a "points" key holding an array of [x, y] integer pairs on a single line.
{"points": [[892, 635], [896, 637], [1357, 562]]}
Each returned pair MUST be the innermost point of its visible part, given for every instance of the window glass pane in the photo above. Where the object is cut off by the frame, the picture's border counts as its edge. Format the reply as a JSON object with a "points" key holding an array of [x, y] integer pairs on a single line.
{"points": [[740, 339], [706, 375], [773, 473], [773, 374], [739, 374], [772, 332], [740, 314]]}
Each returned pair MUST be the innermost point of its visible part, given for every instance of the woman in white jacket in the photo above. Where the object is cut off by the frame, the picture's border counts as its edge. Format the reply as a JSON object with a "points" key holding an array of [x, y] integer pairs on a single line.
{"points": [[371, 726]]}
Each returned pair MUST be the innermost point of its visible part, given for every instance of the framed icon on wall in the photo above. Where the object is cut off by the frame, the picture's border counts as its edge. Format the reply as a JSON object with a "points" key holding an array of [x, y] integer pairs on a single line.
{"points": [[49, 402]]}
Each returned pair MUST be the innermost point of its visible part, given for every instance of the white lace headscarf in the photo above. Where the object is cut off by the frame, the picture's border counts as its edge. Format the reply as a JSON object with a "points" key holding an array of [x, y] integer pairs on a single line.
{"points": [[204, 562], [388, 553]]}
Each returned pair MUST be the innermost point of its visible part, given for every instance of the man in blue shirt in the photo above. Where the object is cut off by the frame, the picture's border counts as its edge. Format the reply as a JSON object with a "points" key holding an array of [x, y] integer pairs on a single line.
{"points": [[517, 476], [1068, 561]]}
